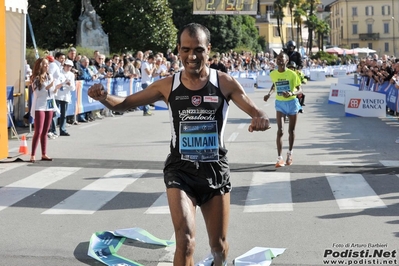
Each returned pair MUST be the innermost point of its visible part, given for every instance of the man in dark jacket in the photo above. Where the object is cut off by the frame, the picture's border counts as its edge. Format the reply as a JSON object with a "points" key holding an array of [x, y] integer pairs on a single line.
{"points": [[293, 55], [216, 64]]}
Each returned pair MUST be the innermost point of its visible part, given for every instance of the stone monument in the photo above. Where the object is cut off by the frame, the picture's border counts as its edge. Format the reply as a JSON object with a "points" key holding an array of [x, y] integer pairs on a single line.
{"points": [[90, 33]]}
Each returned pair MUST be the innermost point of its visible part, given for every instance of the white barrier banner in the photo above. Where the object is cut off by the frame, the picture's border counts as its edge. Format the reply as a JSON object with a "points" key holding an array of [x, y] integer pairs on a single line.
{"points": [[338, 91], [319, 75], [346, 80], [247, 84], [365, 104], [264, 81], [339, 73]]}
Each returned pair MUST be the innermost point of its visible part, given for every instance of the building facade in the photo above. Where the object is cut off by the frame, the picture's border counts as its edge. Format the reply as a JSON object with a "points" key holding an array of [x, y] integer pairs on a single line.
{"points": [[266, 23], [366, 23]]}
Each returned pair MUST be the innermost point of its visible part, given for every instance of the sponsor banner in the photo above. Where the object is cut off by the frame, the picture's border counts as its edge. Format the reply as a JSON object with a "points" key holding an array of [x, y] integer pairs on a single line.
{"points": [[317, 75], [393, 98], [247, 84], [10, 104], [365, 104], [339, 73], [81, 102], [338, 91]]}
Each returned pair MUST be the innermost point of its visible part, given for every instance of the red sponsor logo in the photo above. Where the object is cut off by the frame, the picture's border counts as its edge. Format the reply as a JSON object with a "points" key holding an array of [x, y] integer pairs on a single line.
{"points": [[354, 103], [334, 93], [196, 100], [211, 99]]}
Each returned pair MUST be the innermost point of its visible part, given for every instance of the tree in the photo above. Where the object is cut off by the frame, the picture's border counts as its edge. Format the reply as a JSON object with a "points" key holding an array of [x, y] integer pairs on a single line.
{"points": [[311, 20], [322, 29], [53, 23], [137, 25], [227, 31], [278, 6], [298, 14], [291, 5]]}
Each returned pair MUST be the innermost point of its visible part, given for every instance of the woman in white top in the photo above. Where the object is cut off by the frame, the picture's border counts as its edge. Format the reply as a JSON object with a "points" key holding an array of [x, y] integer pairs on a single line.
{"points": [[43, 105]]}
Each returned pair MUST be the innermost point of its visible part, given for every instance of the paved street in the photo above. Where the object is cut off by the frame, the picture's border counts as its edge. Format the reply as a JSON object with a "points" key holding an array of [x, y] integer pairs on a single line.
{"points": [[341, 193]]}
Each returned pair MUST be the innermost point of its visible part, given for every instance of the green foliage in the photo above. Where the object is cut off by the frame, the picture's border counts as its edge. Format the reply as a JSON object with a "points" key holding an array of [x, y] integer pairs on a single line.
{"points": [[53, 23], [83, 51], [138, 25], [31, 55], [227, 31], [330, 58]]}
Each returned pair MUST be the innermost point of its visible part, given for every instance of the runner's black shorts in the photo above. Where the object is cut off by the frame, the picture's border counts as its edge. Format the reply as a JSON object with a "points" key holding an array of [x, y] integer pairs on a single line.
{"points": [[202, 180]]}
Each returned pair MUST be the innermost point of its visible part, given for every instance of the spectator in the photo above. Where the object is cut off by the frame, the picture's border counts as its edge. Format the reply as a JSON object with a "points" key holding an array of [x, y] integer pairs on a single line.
{"points": [[108, 68], [174, 68], [115, 61], [55, 71], [216, 64], [100, 68], [72, 56], [85, 74], [137, 67], [129, 69], [63, 96], [147, 69], [119, 70], [43, 105]]}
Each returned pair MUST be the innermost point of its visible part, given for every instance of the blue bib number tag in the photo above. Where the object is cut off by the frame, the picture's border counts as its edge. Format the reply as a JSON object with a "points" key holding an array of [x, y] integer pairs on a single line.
{"points": [[199, 141]]}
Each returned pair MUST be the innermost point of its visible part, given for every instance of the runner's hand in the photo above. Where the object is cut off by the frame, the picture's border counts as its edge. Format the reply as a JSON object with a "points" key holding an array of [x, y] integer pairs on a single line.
{"points": [[266, 97], [97, 92], [259, 124]]}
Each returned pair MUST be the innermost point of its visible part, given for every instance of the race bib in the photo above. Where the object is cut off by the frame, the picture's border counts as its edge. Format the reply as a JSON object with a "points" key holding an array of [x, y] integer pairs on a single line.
{"points": [[199, 141], [50, 104], [282, 86]]}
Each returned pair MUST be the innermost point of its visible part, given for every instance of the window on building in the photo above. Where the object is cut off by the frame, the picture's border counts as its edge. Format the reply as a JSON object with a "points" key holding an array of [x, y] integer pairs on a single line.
{"points": [[370, 45], [369, 11], [275, 32], [386, 10], [386, 27], [369, 28], [354, 45], [354, 11], [342, 32], [386, 47], [270, 9], [354, 29]]}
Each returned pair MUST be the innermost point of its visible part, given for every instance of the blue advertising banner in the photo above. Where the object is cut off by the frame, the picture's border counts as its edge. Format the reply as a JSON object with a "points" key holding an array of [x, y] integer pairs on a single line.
{"points": [[392, 98], [10, 104]]}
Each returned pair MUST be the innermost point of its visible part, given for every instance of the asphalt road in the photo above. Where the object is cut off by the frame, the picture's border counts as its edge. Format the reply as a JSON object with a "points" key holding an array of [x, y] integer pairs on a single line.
{"points": [[340, 195]]}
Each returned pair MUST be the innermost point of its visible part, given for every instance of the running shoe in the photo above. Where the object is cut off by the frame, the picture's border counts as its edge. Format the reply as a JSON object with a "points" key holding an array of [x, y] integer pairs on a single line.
{"points": [[280, 162], [289, 159], [51, 135]]}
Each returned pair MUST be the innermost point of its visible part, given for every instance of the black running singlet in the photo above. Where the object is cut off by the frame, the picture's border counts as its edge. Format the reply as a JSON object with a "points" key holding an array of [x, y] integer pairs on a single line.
{"points": [[198, 119]]}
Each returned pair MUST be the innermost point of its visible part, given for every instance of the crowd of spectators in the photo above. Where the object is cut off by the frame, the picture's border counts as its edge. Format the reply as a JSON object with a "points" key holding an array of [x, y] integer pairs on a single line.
{"points": [[379, 69], [129, 65]]}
